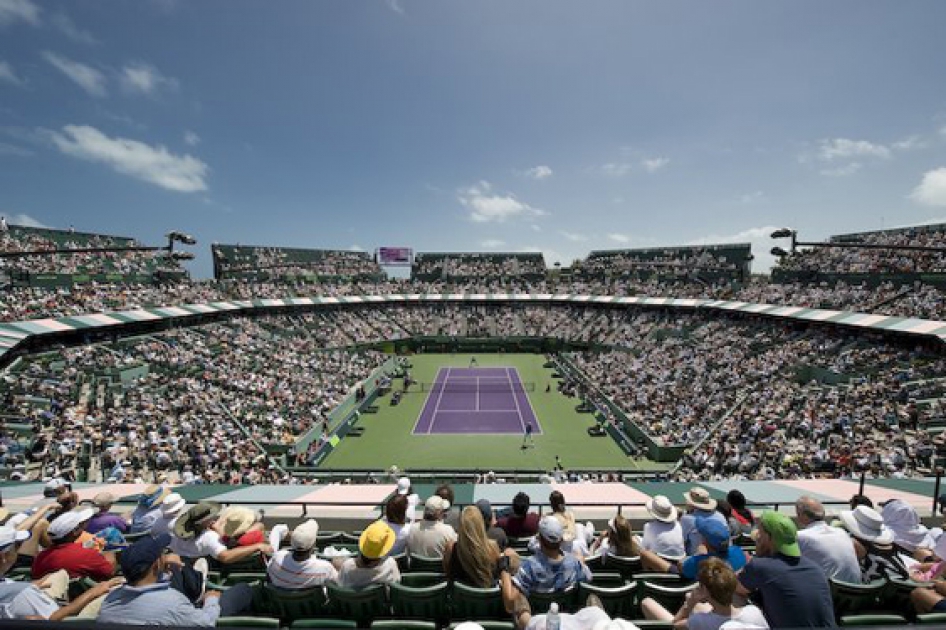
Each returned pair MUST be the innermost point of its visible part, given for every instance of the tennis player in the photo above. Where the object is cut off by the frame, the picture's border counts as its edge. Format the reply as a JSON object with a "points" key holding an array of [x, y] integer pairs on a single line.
{"points": [[527, 439]]}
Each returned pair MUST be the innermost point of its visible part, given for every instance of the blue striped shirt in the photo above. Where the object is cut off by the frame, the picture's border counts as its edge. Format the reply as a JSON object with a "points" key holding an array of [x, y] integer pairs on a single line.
{"points": [[157, 605]]}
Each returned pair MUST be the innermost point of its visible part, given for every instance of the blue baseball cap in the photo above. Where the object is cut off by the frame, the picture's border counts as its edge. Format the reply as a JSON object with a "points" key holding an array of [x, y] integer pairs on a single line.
{"points": [[715, 533], [138, 558]]}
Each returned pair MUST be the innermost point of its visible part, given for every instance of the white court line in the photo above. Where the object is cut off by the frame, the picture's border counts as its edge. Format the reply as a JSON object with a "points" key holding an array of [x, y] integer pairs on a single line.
{"points": [[477, 393], [515, 398], [443, 386], [479, 410]]}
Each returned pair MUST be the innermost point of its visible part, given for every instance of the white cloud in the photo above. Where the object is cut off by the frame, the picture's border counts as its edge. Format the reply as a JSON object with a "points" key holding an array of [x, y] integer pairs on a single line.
{"points": [[932, 189], [539, 172], [759, 237], [842, 171], [191, 139], [492, 243], [485, 206], [7, 74], [68, 28], [86, 77], [616, 169], [142, 78], [395, 5], [910, 143], [536, 228], [756, 196], [355, 247], [153, 164], [23, 219], [15, 10], [652, 165], [843, 149], [574, 236], [619, 238]]}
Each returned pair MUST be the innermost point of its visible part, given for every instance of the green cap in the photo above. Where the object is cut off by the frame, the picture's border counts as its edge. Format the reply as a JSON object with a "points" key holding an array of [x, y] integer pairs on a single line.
{"points": [[783, 532]]}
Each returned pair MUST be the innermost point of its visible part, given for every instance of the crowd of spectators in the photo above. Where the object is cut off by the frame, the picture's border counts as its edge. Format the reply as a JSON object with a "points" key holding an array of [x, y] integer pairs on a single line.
{"points": [[489, 265], [244, 261]]}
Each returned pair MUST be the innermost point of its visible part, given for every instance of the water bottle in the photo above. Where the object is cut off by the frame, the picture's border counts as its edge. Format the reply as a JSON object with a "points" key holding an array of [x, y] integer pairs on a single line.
{"points": [[552, 619]]}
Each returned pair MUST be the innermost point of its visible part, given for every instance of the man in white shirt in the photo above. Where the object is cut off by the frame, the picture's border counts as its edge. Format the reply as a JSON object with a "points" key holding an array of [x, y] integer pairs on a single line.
{"points": [[829, 547], [295, 568], [430, 536]]}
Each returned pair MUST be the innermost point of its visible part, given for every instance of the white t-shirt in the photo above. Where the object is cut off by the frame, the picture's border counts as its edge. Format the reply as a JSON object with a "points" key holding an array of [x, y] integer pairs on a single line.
{"points": [[207, 544], [830, 548], [288, 573], [664, 539], [350, 575], [749, 617]]}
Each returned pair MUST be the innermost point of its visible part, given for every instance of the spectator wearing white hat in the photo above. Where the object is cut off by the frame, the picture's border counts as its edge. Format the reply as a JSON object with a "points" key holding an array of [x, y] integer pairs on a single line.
{"points": [[430, 536], [29, 600], [104, 519], [77, 560], [663, 536], [149, 508], [699, 505], [404, 488], [873, 543], [909, 534], [171, 508], [296, 568]]}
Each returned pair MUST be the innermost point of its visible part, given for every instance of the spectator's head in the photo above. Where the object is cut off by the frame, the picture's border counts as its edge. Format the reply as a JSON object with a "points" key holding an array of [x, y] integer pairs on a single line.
{"points": [[376, 542], [486, 510], [475, 551], [662, 509], [551, 533], [737, 500], [396, 509], [520, 504], [10, 540], [715, 534], [723, 507], [304, 538], [172, 505], [860, 499], [69, 526], [404, 486], [235, 521], [103, 501], [56, 487], [445, 492], [718, 579], [557, 501], [153, 495], [866, 525], [777, 535], [620, 537], [434, 508], [143, 562], [808, 510], [196, 520], [699, 499]]}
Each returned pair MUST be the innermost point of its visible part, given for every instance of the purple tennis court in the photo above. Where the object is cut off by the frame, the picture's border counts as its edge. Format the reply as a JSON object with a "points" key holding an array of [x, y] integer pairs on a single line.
{"points": [[477, 400]]}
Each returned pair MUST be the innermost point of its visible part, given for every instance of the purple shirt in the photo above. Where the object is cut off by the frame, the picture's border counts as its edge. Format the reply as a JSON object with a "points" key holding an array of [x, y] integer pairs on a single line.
{"points": [[103, 520]]}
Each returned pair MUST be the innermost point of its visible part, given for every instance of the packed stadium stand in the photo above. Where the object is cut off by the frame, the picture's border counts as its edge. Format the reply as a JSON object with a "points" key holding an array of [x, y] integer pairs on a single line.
{"points": [[286, 264], [742, 401]]}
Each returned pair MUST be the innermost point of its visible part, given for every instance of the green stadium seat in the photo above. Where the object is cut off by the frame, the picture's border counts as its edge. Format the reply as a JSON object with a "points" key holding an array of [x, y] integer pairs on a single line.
{"points": [[667, 579], [607, 580], [248, 565], [652, 624], [362, 605], [328, 624], [290, 606], [873, 620], [421, 579], [402, 624], [402, 563], [627, 567], [851, 599], [931, 618], [424, 602], [670, 597], [247, 622], [896, 595], [252, 577], [425, 564], [471, 603], [350, 538], [617, 601], [567, 600]]}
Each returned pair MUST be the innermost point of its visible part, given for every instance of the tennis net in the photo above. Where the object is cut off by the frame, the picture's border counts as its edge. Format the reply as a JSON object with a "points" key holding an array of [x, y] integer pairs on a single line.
{"points": [[472, 387]]}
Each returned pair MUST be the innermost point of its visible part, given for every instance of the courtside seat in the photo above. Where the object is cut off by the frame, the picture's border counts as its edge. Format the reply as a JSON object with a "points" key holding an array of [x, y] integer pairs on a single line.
{"points": [[873, 620], [470, 602], [247, 622], [425, 564], [290, 606], [363, 605], [420, 602], [567, 600], [851, 599], [618, 601]]}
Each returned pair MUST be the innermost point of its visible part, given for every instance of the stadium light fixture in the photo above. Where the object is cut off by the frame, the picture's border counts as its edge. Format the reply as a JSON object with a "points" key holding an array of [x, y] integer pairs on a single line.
{"points": [[181, 256], [784, 233], [779, 252], [181, 237]]}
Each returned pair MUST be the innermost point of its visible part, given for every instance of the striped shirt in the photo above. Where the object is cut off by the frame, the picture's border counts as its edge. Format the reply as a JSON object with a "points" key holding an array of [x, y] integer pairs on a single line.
{"points": [[156, 605], [288, 573], [541, 574]]}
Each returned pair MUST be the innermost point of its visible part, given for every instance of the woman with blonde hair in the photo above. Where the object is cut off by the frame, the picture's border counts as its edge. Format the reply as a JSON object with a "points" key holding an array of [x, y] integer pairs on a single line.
{"points": [[474, 559], [618, 540]]}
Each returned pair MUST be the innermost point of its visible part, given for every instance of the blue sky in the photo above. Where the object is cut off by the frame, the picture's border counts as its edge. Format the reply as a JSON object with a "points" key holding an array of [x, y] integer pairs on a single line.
{"points": [[558, 126]]}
